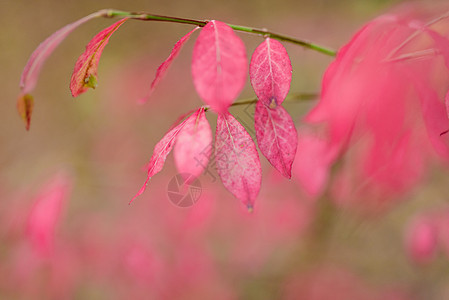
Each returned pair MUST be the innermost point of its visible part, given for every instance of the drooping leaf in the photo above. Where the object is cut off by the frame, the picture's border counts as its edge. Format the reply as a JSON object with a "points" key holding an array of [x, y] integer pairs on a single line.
{"points": [[237, 160], [162, 69], [194, 145], [84, 75], [161, 151], [37, 59], [270, 72], [276, 136], [219, 65], [25, 104]]}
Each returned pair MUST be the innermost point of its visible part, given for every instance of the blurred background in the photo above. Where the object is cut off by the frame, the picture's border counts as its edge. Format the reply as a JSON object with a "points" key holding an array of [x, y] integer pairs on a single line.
{"points": [[101, 248]]}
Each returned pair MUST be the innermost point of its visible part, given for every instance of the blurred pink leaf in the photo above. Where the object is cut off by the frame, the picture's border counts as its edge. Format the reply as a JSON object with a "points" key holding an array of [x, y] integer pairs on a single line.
{"points": [[37, 59], [270, 72], [84, 75], [162, 69], [391, 72], [276, 136], [422, 239], [194, 145], [46, 212], [312, 162], [162, 149], [237, 160], [219, 65]]}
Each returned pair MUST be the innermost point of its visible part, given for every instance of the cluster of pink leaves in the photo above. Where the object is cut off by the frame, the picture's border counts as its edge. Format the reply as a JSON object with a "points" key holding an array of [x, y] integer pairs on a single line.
{"points": [[382, 113], [219, 70]]}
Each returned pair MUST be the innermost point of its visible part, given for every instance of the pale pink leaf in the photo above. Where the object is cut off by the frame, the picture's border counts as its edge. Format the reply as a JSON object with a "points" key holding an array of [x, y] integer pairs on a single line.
{"points": [[194, 145], [421, 240], [160, 153], [37, 59], [84, 75], [46, 213], [44, 50], [237, 160], [162, 69], [276, 136], [219, 65], [312, 163], [270, 72]]}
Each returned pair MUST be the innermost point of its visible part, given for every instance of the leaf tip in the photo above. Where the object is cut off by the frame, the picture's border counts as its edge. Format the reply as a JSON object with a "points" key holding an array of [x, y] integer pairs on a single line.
{"points": [[25, 105]]}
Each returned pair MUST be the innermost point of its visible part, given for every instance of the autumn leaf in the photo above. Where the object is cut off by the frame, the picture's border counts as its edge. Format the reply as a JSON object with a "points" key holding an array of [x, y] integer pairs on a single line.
{"points": [[84, 75], [237, 160], [276, 136], [270, 72], [162, 69], [193, 145], [163, 148], [37, 59], [219, 65]]}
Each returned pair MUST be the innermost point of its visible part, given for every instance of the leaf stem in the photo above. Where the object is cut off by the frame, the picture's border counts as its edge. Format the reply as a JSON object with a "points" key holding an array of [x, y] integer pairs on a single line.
{"points": [[262, 32], [290, 98], [299, 97]]}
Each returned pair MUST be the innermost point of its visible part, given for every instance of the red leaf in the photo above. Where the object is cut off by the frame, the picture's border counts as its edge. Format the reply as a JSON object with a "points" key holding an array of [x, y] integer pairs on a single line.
{"points": [[84, 75], [276, 136], [162, 69], [161, 151], [37, 59], [270, 72], [193, 145], [237, 160], [219, 65]]}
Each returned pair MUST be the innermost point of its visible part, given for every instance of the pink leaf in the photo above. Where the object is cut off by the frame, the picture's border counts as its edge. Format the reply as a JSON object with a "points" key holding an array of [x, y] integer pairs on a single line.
{"points": [[43, 51], [276, 136], [84, 75], [270, 72], [312, 163], [193, 145], [422, 239], [219, 65], [237, 160], [37, 59], [46, 212], [161, 151], [160, 73]]}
